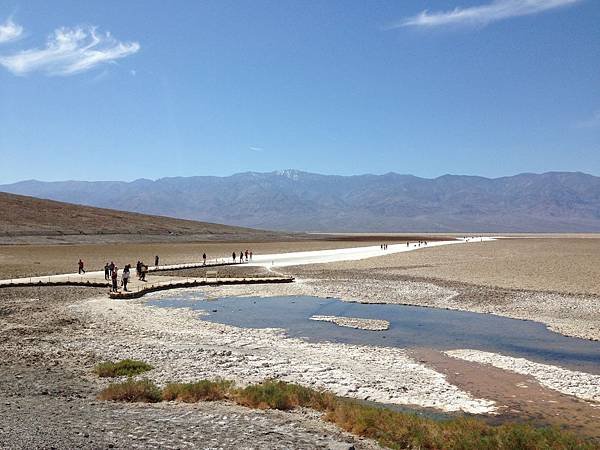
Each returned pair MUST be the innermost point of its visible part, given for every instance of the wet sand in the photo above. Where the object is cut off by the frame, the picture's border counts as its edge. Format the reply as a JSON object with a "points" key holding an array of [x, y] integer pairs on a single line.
{"points": [[519, 398]]}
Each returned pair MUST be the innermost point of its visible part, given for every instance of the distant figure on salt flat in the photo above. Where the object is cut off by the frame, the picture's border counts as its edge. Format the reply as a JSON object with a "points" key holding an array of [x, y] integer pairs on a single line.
{"points": [[246, 253], [144, 272], [80, 265], [233, 256], [114, 275], [203, 259], [125, 277], [250, 255], [111, 268], [106, 271], [407, 244], [156, 261], [241, 256]]}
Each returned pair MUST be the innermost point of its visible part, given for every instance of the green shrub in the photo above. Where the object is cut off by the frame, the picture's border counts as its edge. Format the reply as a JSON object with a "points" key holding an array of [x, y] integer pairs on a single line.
{"points": [[276, 395], [132, 391], [204, 390], [124, 368], [396, 430]]}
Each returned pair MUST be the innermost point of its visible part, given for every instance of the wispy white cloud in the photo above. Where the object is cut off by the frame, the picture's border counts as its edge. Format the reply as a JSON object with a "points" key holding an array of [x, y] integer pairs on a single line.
{"points": [[483, 14], [69, 51], [590, 122], [10, 31], [256, 149]]}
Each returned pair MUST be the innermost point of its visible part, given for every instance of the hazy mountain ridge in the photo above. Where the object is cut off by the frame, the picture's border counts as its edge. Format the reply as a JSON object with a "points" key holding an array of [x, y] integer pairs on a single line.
{"points": [[295, 200]]}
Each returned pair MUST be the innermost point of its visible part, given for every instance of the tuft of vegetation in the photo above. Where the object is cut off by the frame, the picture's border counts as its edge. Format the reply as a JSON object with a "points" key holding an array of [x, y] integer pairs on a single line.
{"points": [[273, 394], [132, 391], [124, 368], [204, 390], [393, 429]]}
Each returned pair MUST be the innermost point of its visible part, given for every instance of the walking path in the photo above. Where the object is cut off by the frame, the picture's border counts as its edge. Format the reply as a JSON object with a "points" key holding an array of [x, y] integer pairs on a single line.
{"points": [[96, 278], [349, 254]]}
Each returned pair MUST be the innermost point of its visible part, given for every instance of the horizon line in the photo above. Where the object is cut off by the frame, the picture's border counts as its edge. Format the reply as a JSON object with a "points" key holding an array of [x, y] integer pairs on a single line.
{"points": [[283, 171]]}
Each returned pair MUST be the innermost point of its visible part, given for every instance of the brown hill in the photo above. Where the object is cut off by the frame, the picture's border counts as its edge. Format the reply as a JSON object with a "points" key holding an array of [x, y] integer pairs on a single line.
{"points": [[29, 219]]}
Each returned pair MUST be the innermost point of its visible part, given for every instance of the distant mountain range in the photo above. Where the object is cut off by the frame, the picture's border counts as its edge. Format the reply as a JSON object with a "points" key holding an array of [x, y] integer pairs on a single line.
{"points": [[299, 201]]}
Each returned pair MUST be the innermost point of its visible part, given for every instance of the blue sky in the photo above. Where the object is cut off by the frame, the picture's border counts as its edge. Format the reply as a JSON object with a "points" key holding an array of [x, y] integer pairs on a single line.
{"points": [[129, 89]]}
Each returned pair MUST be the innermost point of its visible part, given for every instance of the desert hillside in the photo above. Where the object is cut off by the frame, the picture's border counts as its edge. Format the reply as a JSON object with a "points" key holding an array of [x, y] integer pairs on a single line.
{"points": [[24, 216]]}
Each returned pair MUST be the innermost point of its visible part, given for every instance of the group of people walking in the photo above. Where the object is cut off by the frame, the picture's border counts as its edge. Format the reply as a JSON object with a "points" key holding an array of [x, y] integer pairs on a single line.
{"points": [[244, 253], [111, 273], [418, 244]]}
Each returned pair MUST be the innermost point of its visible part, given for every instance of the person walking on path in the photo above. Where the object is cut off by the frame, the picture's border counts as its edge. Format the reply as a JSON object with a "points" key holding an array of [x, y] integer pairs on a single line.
{"points": [[125, 277], [250, 255], [233, 256], [246, 253], [106, 271], [241, 256], [111, 268], [144, 272], [114, 276], [156, 261], [81, 269], [138, 268], [203, 259]]}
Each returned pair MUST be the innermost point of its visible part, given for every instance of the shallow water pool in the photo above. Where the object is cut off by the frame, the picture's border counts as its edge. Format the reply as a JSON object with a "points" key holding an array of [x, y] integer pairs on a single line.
{"points": [[410, 327]]}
